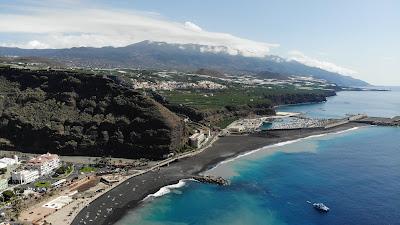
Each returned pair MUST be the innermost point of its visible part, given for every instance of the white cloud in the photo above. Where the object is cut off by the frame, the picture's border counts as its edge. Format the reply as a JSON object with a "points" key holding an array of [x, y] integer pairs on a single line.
{"points": [[302, 58], [37, 44], [97, 27], [192, 26], [28, 45]]}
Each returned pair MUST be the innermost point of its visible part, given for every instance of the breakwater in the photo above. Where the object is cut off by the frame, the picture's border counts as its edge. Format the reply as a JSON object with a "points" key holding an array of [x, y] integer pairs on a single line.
{"points": [[212, 180], [381, 121]]}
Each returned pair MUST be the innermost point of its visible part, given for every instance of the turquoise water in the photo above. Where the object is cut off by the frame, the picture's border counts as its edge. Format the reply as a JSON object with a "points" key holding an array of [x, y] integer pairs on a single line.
{"points": [[356, 173], [385, 104]]}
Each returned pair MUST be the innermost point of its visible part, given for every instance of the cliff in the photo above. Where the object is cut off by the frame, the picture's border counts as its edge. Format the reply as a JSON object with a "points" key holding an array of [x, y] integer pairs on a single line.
{"points": [[267, 107], [81, 114]]}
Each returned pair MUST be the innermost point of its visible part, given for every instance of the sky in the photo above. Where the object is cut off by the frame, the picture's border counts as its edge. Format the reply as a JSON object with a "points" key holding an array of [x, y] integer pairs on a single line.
{"points": [[353, 37]]}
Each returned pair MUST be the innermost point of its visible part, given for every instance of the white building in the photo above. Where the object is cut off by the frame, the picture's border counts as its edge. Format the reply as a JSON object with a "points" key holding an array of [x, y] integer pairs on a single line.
{"points": [[24, 176], [197, 139], [237, 129], [45, 164], [6, 162], [58, 183]]}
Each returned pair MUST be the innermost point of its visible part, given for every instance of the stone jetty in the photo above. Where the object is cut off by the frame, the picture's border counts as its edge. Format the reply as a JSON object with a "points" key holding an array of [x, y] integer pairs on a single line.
{"points": [[212, 180], [381, 121]]}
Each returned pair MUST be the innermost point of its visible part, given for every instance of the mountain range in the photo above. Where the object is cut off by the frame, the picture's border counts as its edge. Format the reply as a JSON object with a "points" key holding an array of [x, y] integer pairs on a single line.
{"points": [[182, 57]]}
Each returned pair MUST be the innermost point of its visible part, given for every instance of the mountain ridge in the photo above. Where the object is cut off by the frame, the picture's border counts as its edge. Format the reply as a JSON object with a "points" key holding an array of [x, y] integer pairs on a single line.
{"points": [[183, 57]]}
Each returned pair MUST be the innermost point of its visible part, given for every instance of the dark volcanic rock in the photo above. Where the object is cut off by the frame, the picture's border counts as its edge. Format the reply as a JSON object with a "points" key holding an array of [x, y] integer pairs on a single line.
{"points": [[81, 114]]}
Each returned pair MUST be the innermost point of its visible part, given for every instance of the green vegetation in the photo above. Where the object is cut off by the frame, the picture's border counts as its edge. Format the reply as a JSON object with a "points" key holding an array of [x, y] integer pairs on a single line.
{"points": [[8, 195], [64, 171], [214, 100], [220, 107], [235, 97], [61, 170], [222, 124], [42, 184], [87, 169]]}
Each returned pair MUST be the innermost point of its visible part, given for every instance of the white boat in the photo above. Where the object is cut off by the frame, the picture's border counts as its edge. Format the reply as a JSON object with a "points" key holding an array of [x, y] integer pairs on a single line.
{"points": [[321, 207]]}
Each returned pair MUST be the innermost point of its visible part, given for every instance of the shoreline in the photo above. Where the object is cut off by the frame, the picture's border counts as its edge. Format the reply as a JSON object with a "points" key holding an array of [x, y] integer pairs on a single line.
{"points": [[181, 183], [131, 193], [278, 145]]}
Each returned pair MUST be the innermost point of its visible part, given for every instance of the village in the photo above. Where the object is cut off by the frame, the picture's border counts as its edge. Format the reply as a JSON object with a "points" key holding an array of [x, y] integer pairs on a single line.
{"points": [[41, 189]]}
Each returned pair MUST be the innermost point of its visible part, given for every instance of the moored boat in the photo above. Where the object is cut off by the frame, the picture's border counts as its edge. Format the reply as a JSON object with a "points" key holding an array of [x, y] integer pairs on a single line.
{"points": [[321, 207]]}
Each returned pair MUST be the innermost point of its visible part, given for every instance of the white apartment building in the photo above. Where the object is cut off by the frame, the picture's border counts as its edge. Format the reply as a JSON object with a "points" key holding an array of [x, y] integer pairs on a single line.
{"points": [[24, 176], [45, 164], [6, 162]]}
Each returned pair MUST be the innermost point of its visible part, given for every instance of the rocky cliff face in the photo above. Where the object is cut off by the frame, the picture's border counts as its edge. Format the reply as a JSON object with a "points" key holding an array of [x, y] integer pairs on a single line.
{"points": [[80, 114]]}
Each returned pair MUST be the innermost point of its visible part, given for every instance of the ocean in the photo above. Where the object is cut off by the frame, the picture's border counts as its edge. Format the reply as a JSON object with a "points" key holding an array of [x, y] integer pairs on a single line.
{"points": [[356, 173]]}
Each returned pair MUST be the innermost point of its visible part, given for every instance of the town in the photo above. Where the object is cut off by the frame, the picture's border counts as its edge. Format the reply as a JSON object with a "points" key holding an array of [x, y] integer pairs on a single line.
{"points": [[40, 189], [34, 187], [169, 80]]}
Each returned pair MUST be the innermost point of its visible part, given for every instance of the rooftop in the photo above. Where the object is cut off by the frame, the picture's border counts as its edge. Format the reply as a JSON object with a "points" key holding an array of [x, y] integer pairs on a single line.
{"points": [[4, 162], [26, 172], [43, 158], [194, 136]]}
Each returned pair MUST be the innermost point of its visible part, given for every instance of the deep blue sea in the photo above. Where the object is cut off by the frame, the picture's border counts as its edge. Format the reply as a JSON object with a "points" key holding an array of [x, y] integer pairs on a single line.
{"points": [[356, 173]]}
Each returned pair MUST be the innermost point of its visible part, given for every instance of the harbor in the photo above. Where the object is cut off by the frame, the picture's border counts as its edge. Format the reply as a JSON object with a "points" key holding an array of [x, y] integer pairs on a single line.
{"points": [[290, 121]]}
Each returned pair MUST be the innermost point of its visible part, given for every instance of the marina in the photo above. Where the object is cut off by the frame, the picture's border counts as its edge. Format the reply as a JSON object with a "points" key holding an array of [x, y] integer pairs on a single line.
{"points": [[290, 120]]}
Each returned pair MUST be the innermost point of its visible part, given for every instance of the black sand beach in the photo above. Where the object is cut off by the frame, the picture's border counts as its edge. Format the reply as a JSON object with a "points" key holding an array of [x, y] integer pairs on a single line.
{"points": [[112, 206]]}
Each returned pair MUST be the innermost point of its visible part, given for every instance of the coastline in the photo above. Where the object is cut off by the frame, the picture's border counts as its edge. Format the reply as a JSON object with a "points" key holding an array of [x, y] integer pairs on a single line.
{"points": [[131, 193], [276, 145]]}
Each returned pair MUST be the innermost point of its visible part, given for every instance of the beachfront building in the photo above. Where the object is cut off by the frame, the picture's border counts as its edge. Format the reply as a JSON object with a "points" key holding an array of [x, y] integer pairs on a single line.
{"points": [[197, 139], [237, 129], [24, 176], [6, 162], [45, 164]]}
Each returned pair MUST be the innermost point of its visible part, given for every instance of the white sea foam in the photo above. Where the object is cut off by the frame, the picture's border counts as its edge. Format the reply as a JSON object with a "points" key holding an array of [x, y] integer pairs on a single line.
{"points": [[167, 189], [280, 144]]}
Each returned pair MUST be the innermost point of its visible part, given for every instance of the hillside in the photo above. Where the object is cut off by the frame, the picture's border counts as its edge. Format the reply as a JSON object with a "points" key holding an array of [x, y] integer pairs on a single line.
{"points": [[187, 57], [81, 114], [105, 114]]}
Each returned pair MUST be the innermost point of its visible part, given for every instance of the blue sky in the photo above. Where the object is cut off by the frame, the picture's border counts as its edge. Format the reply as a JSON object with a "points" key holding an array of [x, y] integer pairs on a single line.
{"points": [[359, 38]]}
